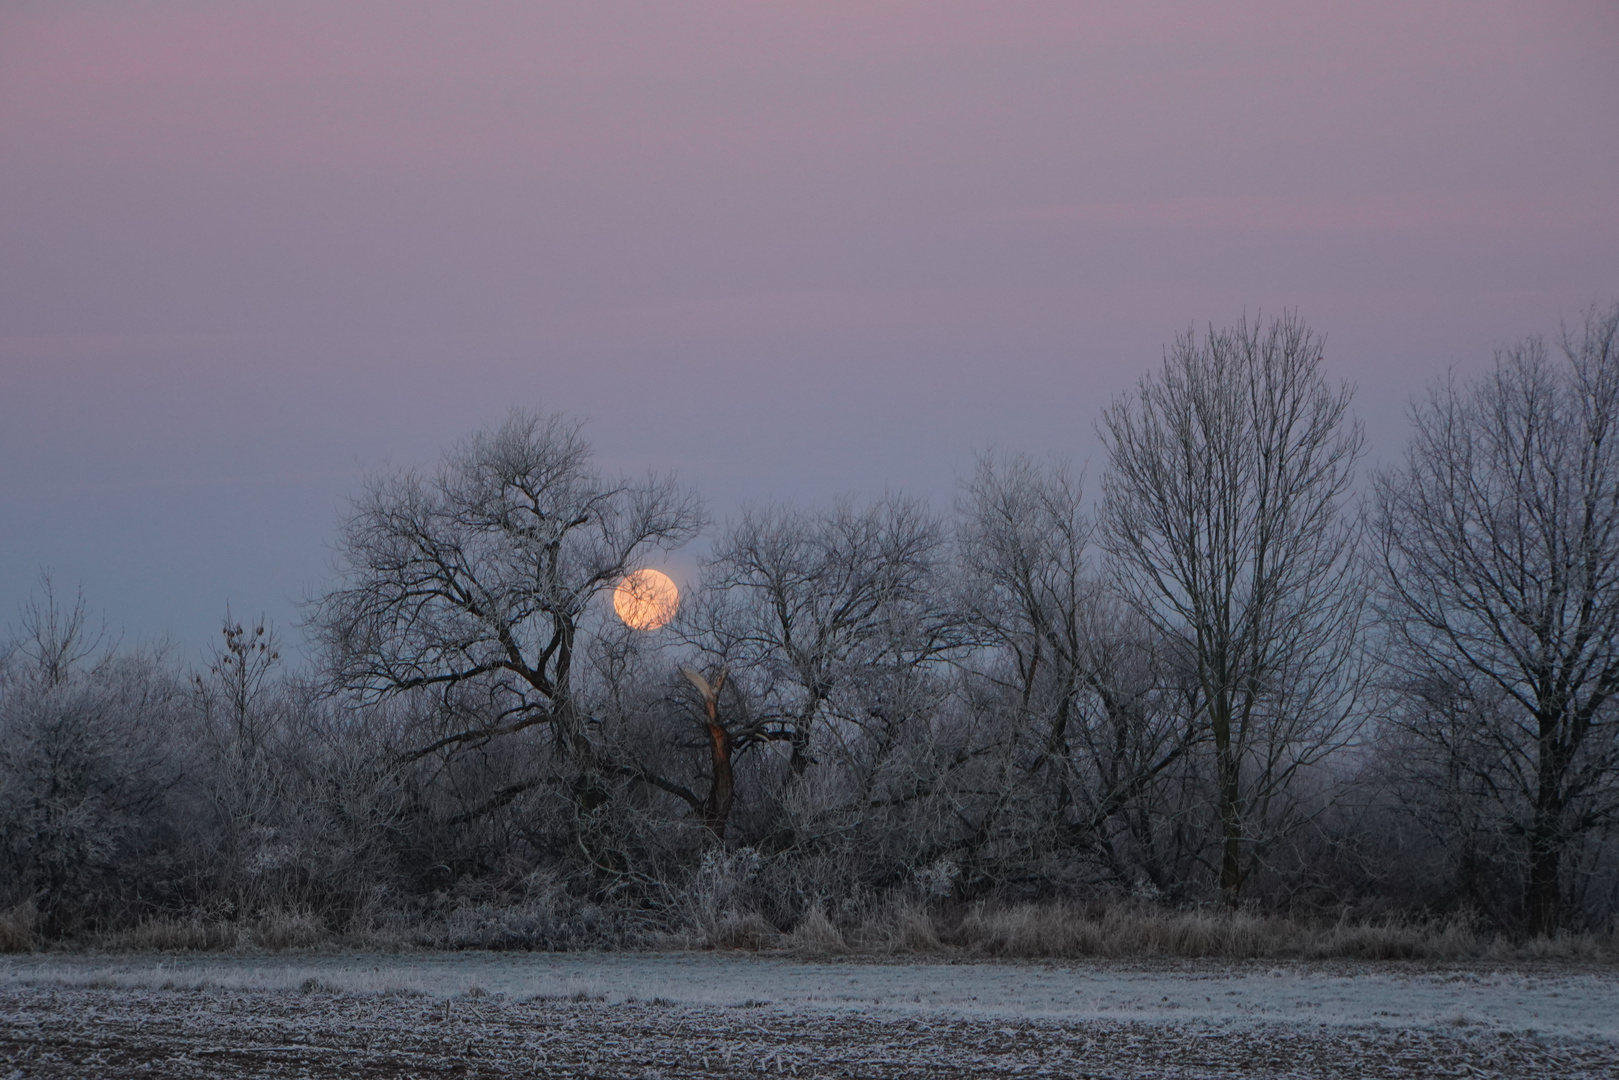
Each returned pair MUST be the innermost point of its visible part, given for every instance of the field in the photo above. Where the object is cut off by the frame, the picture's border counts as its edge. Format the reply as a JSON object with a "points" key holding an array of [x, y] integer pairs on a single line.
{"points": [[720, 1014]]}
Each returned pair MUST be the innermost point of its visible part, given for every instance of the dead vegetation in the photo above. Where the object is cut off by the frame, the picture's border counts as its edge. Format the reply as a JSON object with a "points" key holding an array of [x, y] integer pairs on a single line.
{"points": [[1068, 931], [903, 928]]}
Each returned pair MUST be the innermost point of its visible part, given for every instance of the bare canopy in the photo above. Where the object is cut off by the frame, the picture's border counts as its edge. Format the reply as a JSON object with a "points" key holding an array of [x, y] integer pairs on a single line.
{"points": [[1500, 539], [477, 575], [1227, 473]]}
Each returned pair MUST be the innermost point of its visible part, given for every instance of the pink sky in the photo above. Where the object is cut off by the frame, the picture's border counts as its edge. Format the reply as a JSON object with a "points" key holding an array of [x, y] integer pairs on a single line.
{"points": [[251, 251]]}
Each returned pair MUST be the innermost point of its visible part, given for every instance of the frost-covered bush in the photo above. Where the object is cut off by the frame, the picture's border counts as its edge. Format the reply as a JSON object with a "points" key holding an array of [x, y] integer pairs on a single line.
{"points": [[89, 780]]}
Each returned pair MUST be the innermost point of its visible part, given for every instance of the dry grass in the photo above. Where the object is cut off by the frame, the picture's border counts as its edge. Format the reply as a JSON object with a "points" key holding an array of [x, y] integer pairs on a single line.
{"points": [[272, 930], [164, 934], [1058, 930], [730, 931], [816, 935], [289, 930], [911, 929], [901, 927]]}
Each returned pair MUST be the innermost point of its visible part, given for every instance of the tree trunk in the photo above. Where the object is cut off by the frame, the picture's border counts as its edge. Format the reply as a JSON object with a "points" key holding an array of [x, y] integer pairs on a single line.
{"points": [[1542, 895], [717, 808], [1229, 782], [799, 739]]}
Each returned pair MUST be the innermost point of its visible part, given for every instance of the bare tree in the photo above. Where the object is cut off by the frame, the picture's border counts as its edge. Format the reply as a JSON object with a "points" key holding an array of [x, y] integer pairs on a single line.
{"points": [[1440, 764], [87, 768], [1500, 538], [811, 604], [241, 707], [472, 582], [1079, 676], [1227, 475], [239, 679], [676, 736], [1023, 543], [57, 640]]}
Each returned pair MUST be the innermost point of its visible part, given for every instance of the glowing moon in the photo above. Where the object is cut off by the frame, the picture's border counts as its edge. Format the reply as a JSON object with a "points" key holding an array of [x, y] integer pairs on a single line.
{"points": [[646, 599]]}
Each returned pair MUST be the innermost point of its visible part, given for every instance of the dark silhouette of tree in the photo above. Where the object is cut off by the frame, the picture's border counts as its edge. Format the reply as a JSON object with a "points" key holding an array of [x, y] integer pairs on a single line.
{"points": [[476, 578], [1227, 474], [1499, 535]]}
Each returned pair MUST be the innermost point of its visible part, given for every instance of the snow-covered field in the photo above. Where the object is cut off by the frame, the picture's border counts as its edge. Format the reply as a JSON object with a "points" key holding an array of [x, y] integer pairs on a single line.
{"points": [[508, 1014]]}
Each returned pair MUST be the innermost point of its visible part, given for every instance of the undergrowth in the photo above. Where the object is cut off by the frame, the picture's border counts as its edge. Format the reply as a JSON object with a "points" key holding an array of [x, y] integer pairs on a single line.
{"points": [[901, 927]]}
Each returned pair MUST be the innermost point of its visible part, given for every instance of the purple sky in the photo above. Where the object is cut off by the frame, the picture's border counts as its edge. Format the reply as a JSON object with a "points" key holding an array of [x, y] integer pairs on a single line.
{"points": [[249, 252]]}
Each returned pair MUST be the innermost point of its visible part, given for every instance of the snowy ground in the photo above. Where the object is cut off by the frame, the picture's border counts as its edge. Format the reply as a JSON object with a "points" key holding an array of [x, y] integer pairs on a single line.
{"points": [[730, 1015]]}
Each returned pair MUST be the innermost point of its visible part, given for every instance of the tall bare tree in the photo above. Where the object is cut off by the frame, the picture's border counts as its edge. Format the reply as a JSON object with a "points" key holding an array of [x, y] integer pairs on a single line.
{"points": [[1024, 540], [473, 581], [1080, 675], [1223, 513], [1500, 538]]}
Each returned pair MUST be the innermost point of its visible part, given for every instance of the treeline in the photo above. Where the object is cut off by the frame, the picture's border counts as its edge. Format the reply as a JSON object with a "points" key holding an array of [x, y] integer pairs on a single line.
{"points": [[1241, 674]]}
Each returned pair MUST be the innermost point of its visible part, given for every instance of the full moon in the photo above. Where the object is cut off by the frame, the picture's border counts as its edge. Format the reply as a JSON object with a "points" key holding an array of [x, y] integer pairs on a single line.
{"points": [[646, 599]]}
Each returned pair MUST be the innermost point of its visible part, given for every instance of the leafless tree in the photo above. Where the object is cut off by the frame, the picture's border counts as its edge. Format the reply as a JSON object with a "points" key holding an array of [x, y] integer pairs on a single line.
{"points": [[57, 640], [863, 704], [1078, 671], [833, 628], [813, 604], [1223, 514], [675, 734], [472, 582], [1499, 535], [241, 709], [239, 678], [87, 766], [1023, 539], [1440, 765]]}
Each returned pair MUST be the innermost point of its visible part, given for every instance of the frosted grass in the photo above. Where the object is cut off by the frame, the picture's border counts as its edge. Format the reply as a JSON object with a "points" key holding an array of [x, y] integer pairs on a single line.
{"points": [[1584, 1004]]}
